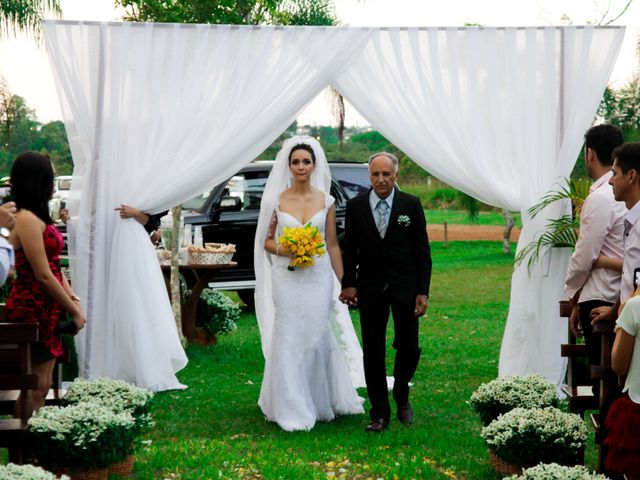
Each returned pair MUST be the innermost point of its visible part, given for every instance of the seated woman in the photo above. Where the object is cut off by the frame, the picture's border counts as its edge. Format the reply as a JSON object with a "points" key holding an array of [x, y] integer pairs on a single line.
{"points": [[623, 419]]}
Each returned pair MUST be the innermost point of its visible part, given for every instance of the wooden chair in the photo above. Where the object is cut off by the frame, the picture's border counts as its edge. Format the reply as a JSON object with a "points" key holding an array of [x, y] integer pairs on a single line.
{"points": [[16, 377], [580, 395]]}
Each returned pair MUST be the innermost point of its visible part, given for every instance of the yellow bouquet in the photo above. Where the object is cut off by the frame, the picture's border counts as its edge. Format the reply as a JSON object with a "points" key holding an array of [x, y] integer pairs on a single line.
{"points": [[304, 243]]}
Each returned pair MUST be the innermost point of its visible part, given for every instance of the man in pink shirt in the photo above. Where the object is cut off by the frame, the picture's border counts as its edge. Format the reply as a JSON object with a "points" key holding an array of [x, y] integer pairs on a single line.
{"points": [[601, 235]]}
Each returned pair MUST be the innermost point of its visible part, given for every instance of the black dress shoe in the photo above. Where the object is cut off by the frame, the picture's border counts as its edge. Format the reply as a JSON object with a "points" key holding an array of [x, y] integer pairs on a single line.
{"points": [[377, 425], [405, 414]]}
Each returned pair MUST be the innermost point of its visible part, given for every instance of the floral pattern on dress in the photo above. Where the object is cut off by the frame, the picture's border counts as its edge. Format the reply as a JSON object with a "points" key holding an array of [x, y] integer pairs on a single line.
{"points": [[28, 300]]}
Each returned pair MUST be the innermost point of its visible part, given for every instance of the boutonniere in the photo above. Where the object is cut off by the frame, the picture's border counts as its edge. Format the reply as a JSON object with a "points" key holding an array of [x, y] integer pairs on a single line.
{"points": [[404, 220]]}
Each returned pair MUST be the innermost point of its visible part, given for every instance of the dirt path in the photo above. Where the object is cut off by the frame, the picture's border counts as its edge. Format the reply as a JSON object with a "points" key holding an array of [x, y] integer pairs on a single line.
{"points": [[469, 232]]}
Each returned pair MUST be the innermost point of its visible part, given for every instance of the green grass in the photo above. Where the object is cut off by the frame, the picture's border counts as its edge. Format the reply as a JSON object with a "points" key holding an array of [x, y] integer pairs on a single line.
{"points": [[214, 429], [460, 217]]}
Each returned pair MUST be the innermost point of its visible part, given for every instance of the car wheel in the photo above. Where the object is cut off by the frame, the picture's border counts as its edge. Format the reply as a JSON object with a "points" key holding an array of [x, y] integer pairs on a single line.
{"points": [[247, 298]]}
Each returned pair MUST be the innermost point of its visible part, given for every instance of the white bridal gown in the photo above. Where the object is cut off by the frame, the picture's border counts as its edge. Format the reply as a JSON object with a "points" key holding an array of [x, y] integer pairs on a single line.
{"points": [[306, 377]]}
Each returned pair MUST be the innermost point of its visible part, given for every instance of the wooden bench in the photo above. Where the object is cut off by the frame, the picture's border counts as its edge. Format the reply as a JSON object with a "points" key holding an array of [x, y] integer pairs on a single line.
{"points": [[16, 376]]}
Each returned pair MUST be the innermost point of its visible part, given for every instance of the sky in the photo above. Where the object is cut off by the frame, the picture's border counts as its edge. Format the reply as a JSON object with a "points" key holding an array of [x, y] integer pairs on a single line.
{"points": [[25, 66]]}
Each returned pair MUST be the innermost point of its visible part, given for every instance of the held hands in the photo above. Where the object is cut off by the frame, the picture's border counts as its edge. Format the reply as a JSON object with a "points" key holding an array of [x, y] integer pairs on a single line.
{"points": [[349, 296]]}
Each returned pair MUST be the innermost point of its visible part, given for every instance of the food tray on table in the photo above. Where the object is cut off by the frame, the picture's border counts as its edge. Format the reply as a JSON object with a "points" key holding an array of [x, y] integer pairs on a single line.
{"points": [[211, 253]]}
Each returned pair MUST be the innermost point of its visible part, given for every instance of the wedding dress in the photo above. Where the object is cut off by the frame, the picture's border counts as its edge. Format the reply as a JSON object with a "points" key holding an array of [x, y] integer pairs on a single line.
{"points": [[306, 377], [313, 360]]}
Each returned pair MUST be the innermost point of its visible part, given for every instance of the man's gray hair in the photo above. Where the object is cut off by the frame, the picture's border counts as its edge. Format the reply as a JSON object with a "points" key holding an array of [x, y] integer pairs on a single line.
{"points": [[390, 156]]}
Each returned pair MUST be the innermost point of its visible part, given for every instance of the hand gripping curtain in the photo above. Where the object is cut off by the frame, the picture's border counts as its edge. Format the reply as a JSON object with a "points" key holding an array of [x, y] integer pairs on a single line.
{"points": [[500, 114], [157, 113]]}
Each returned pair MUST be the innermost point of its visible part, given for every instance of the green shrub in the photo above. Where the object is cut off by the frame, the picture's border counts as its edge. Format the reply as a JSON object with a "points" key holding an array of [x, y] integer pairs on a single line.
{"points": [[217, 313], [443, 198]]}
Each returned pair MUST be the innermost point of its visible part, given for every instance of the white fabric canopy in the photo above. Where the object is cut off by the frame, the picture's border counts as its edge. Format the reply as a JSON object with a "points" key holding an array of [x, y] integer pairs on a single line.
{"points": [[498, 113], [157, 112]]}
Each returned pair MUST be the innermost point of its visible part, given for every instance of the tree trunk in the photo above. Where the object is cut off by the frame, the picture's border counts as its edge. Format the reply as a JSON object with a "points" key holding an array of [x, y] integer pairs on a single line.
{"points": [[176, 299], [506, 234]]}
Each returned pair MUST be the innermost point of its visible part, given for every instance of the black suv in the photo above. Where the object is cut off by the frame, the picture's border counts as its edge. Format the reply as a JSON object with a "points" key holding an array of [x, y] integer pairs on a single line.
{"points": [[228, 213]]}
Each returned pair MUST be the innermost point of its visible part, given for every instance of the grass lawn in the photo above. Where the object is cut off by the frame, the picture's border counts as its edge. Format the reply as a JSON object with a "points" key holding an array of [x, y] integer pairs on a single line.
{"points": [[461, 217], [215, 429]]}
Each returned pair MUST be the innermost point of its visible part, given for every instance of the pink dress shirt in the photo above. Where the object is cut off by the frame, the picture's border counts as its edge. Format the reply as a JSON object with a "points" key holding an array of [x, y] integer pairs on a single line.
{"points": [[631, 251], [601, 233]]}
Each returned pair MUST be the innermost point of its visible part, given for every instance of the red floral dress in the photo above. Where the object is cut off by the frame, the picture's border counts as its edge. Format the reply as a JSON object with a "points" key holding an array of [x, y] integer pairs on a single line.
{"points": [[28, 300]]}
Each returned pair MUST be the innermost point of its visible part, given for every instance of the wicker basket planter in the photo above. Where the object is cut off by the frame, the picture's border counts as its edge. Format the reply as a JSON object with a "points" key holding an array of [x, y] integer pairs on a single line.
{"points": [[123, 468], [84, 473], [502, 467]]}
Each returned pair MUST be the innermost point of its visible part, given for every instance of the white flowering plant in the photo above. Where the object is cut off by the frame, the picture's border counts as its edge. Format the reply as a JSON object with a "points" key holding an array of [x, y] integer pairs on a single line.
{"points": [[85, 435], [117, 395], [529, 436], [506, 393], [553, 471], [12, 471]]}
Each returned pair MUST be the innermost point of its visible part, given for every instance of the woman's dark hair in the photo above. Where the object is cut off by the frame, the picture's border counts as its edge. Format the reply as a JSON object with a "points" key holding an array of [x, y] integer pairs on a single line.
{"points": [[306, 148], [32, 184]]}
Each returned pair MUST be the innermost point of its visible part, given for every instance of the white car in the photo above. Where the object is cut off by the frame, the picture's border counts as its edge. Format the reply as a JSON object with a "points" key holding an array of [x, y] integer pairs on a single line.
{"points": [[62, 186]]}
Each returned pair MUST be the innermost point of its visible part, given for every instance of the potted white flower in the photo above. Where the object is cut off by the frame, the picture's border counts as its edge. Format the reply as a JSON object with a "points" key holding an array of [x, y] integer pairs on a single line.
{"points": [[553, 471], [82, 439], [118, 396], [526, 437], [27, 472], [506, 393]]}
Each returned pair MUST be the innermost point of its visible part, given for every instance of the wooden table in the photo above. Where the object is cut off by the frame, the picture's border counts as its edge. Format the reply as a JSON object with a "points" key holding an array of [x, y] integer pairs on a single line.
{"points": [[205, 274]]}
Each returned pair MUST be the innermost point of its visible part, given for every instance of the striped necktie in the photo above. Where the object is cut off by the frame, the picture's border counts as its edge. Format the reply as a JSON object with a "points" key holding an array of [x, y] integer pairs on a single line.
{"points": [[382, 208]]}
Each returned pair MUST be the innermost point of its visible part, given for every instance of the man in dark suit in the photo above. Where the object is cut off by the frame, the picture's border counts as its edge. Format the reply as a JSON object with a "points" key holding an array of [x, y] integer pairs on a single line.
{"points": [[387, 267]]}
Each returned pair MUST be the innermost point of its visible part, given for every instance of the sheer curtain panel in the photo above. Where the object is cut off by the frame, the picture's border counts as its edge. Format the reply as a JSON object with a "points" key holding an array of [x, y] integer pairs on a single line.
{"points": [[157, 113], [498, 113]]}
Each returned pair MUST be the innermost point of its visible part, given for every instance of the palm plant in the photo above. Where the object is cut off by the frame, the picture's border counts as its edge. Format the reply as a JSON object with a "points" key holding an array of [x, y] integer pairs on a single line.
{"points": [[25, 15], [560, 232]]}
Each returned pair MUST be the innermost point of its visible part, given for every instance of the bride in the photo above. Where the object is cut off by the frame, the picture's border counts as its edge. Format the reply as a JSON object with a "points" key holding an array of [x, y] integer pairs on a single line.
{"points": [[312, 355]]}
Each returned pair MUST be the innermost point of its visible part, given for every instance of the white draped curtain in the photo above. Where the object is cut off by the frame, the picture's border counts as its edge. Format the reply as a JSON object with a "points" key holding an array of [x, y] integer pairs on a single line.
{"points": [[498, 113], [157, 112]]}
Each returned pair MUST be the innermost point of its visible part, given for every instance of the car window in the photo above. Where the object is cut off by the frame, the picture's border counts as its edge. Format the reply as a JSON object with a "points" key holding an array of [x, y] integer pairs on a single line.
{"points": [[64, 184], [248, 187], [353, 180]]}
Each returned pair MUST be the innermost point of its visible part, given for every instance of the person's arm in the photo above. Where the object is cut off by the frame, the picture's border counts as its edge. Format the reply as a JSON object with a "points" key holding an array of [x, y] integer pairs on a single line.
{"points": [[600, 314], [594, 227], [422, 249], [609, 263], [270, 244], [28, 231], [129, 212], [349, 294], [622, 352], [7, 220], [332, 246]]}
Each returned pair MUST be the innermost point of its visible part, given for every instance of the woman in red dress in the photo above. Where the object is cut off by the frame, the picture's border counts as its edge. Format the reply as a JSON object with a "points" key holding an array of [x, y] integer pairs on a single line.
{"points": [[39, 293]]}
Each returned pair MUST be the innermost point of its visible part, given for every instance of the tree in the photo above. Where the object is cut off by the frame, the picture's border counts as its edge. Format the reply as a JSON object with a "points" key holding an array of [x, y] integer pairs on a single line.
{"points": [[25, 15], [233, 12], [52, 140]]}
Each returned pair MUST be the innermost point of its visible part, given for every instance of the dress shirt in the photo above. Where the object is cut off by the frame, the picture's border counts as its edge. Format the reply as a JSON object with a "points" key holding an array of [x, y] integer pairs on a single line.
{"points": [[601, 233], [6, 259], [373, 203], [629, 321], [631, 259]]}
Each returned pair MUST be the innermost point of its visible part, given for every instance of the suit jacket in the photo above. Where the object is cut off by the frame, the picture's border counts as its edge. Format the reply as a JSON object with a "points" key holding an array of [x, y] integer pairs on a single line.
{"points": [[401, 260]]}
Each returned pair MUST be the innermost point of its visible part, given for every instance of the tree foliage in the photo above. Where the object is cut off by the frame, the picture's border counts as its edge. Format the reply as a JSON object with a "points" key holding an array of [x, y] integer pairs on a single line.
{"points": [[232, 12], [25, 15]]}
